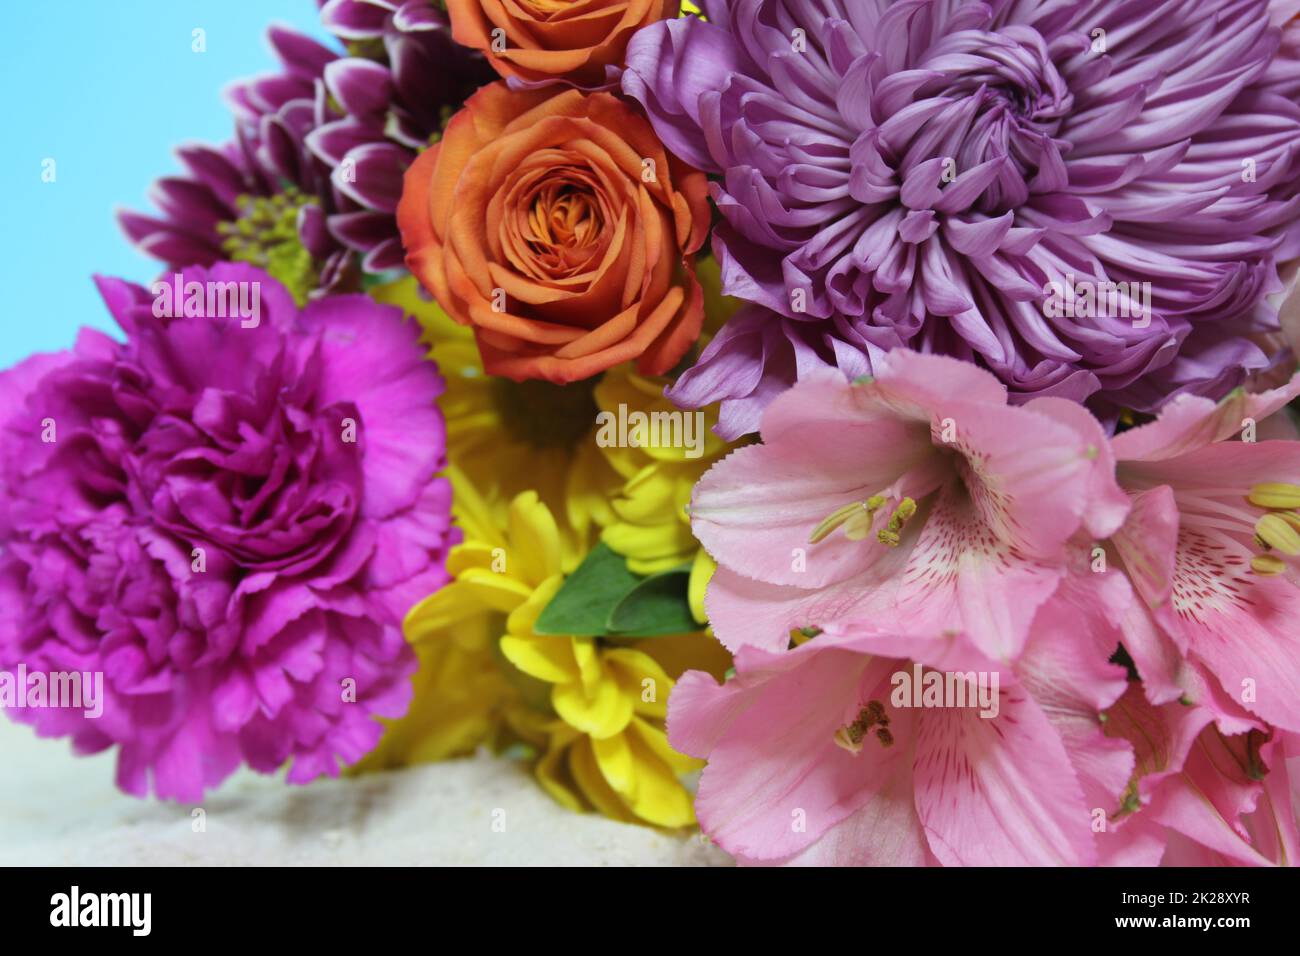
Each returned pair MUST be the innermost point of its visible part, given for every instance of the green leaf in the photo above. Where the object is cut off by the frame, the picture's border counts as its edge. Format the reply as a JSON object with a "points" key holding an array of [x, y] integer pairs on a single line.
{"points": [[603, 598], [657, 606], [583, 604]]}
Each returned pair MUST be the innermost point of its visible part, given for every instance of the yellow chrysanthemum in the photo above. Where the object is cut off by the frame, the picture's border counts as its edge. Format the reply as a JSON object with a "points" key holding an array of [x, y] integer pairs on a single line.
{"points": [[593, 709], [604, 746], [650, 525], [532, 491], [507, 437]]}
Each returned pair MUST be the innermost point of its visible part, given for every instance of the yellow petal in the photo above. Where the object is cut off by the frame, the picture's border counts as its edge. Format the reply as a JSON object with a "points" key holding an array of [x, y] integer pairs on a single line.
{"points": [[546, 658], [473, 512], [470, 554], [625, 462], [534, 726], [657, 740], [443, 609], [659, 797], [585, 770], [554, 774], [497, 592], [601, 714], [459, 697], [592, 483], [614, 757], [648, 494], [642, 679], [650, 548], [534, 549], [701, 573], [590, 667], [522, 618]]}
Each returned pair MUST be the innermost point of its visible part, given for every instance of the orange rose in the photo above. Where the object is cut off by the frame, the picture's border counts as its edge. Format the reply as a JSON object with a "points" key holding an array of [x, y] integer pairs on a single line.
{"points": [[557, 225], [541, 39]]}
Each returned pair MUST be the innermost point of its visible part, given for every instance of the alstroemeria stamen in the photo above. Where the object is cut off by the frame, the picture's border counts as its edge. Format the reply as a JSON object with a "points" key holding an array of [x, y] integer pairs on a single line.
{"points": [[890, 535], [1278, 529], [1275, 495], [1276, 532], [855, 517], [850, 736], [1267, 565]]}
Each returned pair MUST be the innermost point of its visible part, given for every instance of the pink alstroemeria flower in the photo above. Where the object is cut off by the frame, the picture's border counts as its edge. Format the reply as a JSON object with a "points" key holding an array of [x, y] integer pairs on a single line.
{"points": [[1212, 547], [1216, 786], [919, 498], [812, 760]]}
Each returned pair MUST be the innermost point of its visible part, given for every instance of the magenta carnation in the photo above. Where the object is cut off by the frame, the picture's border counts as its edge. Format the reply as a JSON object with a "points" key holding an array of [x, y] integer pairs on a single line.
{"points": [[920, 173], [227, 516]]}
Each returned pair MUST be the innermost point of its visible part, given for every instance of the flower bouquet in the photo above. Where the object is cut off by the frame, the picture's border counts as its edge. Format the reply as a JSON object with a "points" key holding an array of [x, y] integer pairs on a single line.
{"points": [[856, 429]]}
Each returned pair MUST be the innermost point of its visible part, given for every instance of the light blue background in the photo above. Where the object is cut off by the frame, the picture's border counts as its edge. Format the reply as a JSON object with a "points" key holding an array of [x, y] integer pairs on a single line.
{"points": [[106, 88]]}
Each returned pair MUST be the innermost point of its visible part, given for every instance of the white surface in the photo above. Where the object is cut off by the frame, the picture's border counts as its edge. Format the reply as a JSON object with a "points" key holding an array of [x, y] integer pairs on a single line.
{"points": [[57, 809]]}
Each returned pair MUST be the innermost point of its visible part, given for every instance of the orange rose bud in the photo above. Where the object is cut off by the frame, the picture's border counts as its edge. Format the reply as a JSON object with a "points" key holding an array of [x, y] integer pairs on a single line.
{"points": [[561, 230], [544, 39]]}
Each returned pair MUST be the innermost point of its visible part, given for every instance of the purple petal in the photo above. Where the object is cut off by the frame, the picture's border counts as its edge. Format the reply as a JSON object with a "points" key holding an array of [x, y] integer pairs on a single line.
{"points": [[362, 87], [377, 181]]}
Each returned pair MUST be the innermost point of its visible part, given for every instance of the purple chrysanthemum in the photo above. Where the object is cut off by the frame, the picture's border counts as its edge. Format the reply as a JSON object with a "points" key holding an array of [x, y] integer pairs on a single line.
{"points": [[920, 172], [227, 518], [314, 174]]}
